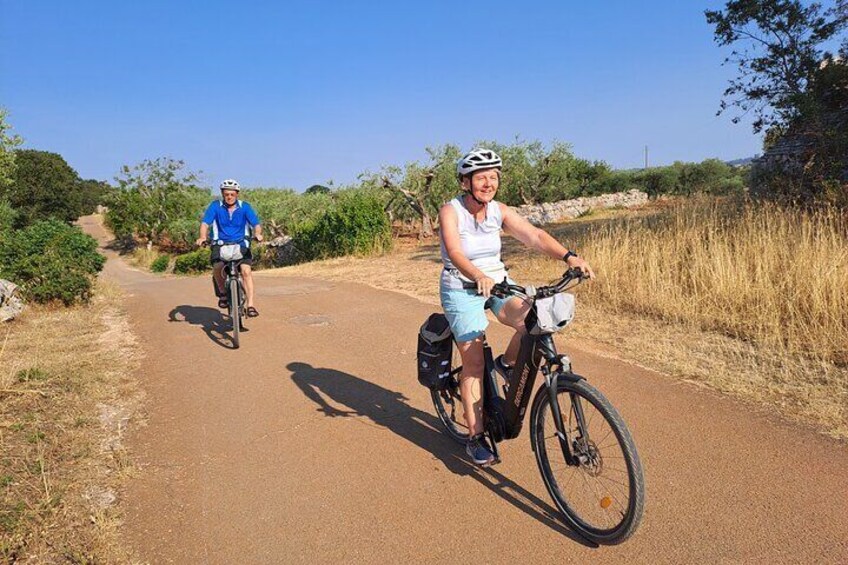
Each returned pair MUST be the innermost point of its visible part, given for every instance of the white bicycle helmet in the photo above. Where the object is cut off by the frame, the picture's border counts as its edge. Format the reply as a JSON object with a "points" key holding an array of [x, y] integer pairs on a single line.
{"points": [[230, 184], [477, 160]]}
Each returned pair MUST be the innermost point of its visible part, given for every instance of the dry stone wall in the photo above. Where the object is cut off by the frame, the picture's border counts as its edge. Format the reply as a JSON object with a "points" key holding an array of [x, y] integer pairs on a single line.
{"points": [[550, 212]]}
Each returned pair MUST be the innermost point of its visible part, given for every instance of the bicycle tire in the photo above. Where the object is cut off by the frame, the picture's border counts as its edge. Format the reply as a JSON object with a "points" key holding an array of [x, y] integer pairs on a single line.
{"points": [[600, 474], [448, 405], [235, 311]]}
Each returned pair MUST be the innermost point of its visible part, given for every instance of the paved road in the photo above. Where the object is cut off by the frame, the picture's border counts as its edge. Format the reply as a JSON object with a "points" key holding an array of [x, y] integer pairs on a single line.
{"points": [[314, 442]]}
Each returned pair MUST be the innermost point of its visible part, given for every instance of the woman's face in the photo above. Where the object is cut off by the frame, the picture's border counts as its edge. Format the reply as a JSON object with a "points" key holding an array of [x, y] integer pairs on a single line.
{"points": [[483, 184]]}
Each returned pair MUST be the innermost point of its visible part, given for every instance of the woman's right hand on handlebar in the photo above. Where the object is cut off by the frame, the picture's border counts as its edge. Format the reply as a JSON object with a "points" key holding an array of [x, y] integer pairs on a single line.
{"points": [[200, 242]]}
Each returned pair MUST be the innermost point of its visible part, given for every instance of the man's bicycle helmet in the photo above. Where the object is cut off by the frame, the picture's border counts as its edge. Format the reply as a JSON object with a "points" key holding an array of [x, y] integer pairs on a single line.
{"points": [[230, 184], [477, 160]]}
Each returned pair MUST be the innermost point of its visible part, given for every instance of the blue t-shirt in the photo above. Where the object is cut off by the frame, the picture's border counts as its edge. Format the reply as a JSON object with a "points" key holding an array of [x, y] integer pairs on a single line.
{"points": [[230, 227]]}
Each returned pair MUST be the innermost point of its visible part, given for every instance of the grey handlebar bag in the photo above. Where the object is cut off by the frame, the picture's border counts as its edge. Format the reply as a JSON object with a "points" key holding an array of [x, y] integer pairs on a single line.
{"points": [[231, 252], [553, 314]]}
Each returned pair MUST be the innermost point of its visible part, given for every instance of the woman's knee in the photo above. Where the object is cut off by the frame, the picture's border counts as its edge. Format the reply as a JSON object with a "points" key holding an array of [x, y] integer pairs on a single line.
{"points": [[513, 319]]}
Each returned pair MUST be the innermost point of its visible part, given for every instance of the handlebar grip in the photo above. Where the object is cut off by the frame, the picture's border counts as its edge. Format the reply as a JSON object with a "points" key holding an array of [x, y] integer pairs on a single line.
{"points": [[498, 289]]}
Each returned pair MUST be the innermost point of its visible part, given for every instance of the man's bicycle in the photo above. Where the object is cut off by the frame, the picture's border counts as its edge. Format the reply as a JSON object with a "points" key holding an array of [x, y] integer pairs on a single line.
{"points": [[583, 448], [231, 256]]}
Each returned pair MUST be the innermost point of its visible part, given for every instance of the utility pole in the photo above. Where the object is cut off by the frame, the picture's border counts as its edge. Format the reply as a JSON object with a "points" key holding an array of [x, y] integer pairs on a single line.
{"points": [[646, 156]]}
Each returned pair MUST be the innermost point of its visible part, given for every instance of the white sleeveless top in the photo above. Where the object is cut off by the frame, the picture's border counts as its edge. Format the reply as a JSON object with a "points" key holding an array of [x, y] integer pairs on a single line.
{"points": [[480, 243]]}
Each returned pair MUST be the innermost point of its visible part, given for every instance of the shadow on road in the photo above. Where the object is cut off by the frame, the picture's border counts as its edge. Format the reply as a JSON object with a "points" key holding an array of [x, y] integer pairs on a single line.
{"points": [[387, 408], [211, 320]]}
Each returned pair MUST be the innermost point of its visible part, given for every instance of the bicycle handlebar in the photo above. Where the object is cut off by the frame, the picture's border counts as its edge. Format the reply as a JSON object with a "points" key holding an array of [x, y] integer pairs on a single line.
{"points": [[504, 288], [210, 243]]}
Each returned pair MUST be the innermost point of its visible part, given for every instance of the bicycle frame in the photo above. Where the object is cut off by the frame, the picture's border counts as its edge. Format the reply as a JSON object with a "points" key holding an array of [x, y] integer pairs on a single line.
{"points": [[232, 270], [504, 408], [505, 414]]}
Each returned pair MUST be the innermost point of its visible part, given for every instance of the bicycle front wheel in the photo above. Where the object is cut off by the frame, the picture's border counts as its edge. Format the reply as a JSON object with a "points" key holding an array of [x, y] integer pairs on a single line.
{"points": [[602, 494], [235, 311]]}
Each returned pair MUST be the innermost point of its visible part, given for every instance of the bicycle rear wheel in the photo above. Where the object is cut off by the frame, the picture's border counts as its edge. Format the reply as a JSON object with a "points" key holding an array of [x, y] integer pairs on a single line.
{"points": [[448, 404], [603, 496], [235, 311]]}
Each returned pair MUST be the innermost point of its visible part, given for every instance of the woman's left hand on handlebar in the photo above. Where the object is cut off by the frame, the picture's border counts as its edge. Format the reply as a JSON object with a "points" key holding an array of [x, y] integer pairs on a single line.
{"points": [[581, 264], [484, 286]]}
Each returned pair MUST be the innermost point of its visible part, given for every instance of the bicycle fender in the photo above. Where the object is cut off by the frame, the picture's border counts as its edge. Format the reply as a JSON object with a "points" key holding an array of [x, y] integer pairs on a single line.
{"points": [[571, 377]]}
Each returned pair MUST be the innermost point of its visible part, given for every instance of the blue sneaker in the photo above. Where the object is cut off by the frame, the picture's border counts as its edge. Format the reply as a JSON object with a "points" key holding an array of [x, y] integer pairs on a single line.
{"points": [[478, 450]]}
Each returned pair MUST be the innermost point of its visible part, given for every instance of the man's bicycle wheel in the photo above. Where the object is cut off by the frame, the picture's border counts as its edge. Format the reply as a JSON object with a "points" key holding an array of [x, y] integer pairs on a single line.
{"points": [[235, 310], [603, 496]]}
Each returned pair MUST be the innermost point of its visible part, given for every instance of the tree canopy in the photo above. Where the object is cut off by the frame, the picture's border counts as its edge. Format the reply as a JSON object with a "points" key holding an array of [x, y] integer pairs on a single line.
{"points": [[8, 142], [777, 46], [44, 186]]}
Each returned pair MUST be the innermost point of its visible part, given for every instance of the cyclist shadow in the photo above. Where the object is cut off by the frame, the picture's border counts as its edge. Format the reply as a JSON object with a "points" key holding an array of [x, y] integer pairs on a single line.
{"points": [[216, 326], [389, 409]]}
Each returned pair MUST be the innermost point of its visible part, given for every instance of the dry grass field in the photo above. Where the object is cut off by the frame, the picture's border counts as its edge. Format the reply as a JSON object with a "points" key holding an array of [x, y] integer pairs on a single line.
{"points": [[66, 393], [748, 300]]}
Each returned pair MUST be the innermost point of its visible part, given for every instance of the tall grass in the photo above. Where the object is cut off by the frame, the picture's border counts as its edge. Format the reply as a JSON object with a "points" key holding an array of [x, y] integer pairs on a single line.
{"points": [[772, 276]]}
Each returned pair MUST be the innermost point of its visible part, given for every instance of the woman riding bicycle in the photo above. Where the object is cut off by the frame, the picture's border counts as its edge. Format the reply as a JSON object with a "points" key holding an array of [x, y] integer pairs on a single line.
{"points": [[471, 227]]}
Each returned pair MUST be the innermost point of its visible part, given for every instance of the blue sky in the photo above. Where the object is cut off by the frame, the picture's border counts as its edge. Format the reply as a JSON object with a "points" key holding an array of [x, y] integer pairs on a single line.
{"points": [[290, 94]]}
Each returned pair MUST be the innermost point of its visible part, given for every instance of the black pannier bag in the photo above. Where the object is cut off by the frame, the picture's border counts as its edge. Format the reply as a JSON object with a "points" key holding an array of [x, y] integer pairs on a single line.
{"points": [[435, 346]]}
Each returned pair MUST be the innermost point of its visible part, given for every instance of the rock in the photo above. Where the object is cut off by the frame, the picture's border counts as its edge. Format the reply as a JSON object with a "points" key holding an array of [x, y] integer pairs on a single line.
{"points": [[282, 251], [11, 305]]}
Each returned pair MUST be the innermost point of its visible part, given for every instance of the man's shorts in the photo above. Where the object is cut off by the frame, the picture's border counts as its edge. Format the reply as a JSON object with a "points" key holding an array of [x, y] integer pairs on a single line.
{"points": [[247, 256], [466, 312]]}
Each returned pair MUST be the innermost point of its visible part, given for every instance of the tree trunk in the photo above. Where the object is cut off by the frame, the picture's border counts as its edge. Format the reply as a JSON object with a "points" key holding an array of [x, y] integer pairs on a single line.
{"points": [[416, 202]]}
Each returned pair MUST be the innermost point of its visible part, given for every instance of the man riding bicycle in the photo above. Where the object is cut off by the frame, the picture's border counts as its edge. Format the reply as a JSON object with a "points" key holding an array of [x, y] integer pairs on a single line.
{"points": [[470, 231], [232, 221]]}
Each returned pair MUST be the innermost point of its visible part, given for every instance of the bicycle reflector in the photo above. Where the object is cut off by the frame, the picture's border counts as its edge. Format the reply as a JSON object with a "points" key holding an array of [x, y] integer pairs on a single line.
{"points": [[605, 502]]}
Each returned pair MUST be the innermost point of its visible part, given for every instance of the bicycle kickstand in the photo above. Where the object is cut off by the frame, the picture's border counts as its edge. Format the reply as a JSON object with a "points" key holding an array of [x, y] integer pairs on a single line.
{"points": [[494, 449]]}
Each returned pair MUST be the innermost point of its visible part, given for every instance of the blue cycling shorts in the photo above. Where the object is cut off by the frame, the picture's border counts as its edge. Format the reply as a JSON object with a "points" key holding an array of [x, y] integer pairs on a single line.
{"points": [[466, 312]]}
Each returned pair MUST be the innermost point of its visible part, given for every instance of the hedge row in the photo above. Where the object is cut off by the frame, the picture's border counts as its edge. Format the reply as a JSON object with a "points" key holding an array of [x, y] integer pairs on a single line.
{"points": [[51, 261]]}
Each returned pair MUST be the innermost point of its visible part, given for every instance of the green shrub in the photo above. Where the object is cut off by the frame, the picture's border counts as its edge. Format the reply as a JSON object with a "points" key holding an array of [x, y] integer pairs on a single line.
{"points": [[285, 211], [51, 260], [358, 224], [32, 374], [155, 201], [193, 262], [180, 234], [44, 187], [7, 219], [123, 209], [160, 264], [658, 180], [262, 256]]}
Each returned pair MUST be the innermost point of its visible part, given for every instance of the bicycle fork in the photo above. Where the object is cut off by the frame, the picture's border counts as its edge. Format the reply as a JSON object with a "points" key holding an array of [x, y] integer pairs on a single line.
{"points": [[562, 365]]}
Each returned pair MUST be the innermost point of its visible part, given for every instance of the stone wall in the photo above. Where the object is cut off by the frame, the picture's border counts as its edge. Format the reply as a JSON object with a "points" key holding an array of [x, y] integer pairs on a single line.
{"points": [[550, 212]]}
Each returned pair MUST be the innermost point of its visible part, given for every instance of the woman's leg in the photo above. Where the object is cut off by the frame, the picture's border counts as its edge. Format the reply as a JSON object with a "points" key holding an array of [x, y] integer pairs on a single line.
{"points": [[512, 314], [471, 383]]}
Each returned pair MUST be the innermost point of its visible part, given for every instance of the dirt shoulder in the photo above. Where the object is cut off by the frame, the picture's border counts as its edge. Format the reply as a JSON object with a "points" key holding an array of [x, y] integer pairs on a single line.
{"points": [[66, 396]]}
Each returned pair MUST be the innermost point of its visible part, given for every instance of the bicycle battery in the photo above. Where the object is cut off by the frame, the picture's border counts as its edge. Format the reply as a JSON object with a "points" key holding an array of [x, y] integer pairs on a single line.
{"points": [[521, 385]]}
